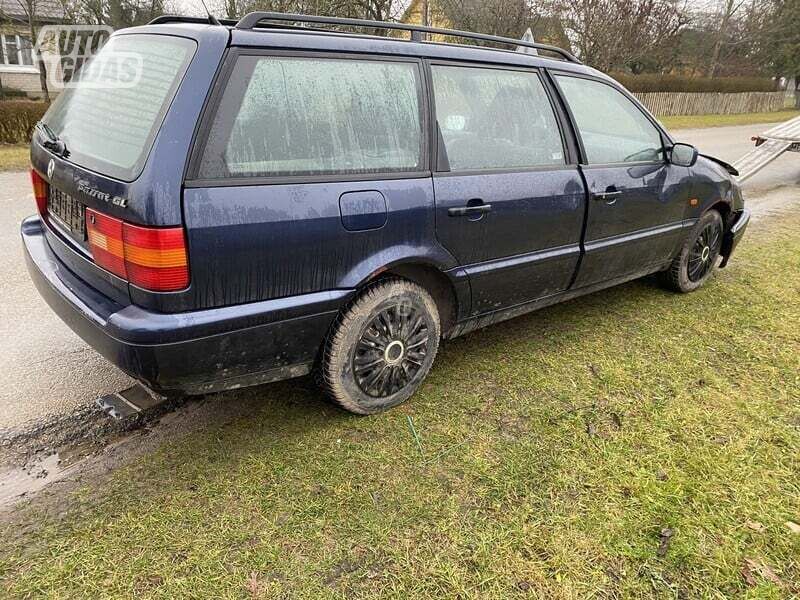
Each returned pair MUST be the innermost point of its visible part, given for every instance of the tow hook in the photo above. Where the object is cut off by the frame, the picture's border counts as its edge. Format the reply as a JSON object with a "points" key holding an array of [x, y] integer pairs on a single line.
{"points": [[130, 401]]}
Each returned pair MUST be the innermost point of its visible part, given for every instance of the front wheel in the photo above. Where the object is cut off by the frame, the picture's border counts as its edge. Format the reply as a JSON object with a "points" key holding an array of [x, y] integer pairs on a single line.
{"points": [[381, 347], [698, 257]]}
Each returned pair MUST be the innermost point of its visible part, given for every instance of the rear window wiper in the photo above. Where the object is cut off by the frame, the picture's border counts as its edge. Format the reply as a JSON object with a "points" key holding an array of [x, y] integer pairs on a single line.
{"points": [[53, 143]]}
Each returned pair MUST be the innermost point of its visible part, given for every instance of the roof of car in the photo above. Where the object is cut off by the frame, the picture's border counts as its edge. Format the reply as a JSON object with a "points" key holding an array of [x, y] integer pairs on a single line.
{"points": [[308, 39]]}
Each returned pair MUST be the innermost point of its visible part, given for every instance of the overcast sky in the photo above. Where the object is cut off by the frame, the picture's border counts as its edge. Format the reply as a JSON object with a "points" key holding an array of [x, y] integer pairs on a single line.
{"points": [[191, 7]]}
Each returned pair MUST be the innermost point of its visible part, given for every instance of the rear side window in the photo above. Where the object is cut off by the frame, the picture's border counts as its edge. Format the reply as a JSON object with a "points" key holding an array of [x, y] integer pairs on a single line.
{"points": [[495, 119], [612, 128], [108, 122], [292, 116]]}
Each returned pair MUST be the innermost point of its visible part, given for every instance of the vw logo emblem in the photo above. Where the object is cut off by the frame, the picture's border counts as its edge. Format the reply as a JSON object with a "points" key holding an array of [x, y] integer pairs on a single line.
{"points": [[51, 166]]}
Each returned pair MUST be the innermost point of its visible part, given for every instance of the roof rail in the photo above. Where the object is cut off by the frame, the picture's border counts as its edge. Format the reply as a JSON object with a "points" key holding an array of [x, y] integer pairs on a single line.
{"points": [[182, 19], [253, 19]]}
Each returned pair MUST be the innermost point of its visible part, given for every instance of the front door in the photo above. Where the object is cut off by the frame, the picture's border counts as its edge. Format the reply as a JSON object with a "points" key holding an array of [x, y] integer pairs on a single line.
{"points": [[509, 206], [636, 198]]}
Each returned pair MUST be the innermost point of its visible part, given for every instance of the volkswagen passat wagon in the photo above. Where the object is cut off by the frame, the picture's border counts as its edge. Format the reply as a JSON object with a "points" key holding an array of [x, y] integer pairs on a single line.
{"points": [[264, 199]]}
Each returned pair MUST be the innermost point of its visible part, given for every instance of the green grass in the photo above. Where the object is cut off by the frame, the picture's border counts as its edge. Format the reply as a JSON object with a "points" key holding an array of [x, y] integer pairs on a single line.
{"points": [[697, 121], [14, 157], [555, 448]]}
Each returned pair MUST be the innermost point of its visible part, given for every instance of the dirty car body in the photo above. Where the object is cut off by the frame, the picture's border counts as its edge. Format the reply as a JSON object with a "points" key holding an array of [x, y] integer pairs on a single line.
{"points": [[269, 245]]}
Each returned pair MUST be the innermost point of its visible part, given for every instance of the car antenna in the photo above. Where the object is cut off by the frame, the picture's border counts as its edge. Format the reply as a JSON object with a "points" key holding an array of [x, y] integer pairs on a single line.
{"points": [[211, 18]]}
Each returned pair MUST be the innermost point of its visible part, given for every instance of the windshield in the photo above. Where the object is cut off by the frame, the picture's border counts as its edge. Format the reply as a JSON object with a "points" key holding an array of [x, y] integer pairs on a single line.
{"points": [[108, 119]]}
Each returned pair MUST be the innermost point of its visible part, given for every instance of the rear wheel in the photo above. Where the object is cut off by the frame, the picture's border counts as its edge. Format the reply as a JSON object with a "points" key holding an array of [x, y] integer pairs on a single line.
{"points": [[698, 257], [381, 347]]}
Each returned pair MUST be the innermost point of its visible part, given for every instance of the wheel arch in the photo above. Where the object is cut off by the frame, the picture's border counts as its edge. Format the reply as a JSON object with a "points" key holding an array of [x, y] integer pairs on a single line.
{"points": [[724, 209], [439, 284]]}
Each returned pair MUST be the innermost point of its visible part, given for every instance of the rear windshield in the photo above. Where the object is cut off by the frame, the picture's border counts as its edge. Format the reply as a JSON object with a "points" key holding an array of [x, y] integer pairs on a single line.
{"points": [[109, 118]]}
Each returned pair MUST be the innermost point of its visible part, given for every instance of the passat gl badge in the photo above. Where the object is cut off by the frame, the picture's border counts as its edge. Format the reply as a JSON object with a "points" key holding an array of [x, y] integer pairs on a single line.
{"points": [[84, 187], [51, 166]]}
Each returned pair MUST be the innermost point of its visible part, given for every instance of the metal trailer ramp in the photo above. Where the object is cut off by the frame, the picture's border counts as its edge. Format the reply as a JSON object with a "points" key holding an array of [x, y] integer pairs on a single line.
{"points": [[789, 131], [769, 146]]}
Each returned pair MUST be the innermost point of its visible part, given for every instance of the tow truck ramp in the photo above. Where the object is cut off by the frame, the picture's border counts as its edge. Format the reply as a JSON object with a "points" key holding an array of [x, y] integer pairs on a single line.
{"points": [[769, 146]]}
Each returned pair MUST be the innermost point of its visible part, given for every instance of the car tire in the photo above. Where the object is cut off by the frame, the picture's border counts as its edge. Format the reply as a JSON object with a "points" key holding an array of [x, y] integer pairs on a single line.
{"points": [[381, 347], [697, 260]]}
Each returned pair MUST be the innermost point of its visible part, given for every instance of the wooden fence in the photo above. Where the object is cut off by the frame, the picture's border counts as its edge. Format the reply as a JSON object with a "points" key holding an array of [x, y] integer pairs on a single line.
{"points": [[665, 104]]}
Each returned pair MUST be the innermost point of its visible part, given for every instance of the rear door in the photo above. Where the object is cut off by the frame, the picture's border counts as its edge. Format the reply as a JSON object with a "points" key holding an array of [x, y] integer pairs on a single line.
{"points": [[636, 197], [509, 205]]}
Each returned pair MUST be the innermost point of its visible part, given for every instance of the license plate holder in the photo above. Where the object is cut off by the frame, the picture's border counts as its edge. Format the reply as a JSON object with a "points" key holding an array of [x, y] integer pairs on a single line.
{"points": [[68, 212]]}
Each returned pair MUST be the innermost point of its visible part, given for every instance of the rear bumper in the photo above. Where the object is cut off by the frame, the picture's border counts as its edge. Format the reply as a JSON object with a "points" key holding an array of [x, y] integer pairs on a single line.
{"points": [[734, 235], [195, 352]]}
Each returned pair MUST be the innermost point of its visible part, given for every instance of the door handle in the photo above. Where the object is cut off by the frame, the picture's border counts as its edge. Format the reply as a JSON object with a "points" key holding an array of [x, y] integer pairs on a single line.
{"points": [[609, 197], [466, 211]]}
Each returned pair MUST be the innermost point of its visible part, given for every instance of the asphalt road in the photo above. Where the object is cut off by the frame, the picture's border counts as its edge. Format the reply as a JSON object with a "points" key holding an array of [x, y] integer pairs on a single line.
{"points": [[731, 143], [47, 370]]}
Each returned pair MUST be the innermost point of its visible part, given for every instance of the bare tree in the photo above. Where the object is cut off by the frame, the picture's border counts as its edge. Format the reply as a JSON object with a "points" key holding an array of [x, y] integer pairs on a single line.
{"points": [[377, 10], [727, 11], [612, 34], [497, 17], [116, 13], [729, 37]]}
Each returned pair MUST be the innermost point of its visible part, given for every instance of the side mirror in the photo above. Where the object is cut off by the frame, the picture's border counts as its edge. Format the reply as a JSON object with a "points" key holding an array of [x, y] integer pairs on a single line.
{"points": [[683, 155]]}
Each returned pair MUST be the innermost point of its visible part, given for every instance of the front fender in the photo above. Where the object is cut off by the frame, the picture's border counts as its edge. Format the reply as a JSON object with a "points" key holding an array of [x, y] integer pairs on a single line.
{"points": [[713, 185]]}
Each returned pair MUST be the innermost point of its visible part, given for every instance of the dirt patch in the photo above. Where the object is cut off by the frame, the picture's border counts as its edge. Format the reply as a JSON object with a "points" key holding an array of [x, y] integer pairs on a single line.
{"points": [[18, 482], [70, 449], [77, 433], [42, 464]]}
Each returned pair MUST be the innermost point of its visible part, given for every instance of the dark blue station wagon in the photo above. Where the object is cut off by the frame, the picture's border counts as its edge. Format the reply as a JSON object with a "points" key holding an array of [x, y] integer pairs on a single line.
{"points": [[267, 199]]}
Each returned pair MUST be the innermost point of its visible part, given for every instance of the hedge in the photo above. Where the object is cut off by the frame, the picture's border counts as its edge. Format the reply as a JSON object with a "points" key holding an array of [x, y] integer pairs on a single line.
{"points": [[9, 93], [680, 83], [17, 120]]}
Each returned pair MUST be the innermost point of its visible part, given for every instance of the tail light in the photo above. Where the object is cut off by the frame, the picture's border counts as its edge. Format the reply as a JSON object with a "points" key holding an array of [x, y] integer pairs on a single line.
{"points": [[155, 258], [40, 189], [105, 242], [151, 258]]}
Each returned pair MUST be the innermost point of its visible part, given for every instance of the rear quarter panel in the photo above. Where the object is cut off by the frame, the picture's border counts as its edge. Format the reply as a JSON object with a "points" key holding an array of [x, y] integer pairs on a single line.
{"points": [[251, 243]]}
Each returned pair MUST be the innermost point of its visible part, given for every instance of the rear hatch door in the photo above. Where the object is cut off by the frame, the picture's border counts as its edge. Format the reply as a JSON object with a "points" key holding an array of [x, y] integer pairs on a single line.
{"points": [[104, 125]]}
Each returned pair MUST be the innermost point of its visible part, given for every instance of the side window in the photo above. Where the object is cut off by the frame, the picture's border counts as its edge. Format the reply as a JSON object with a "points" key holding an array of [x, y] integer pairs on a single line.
{"points": [[283, 116], [612, 128], [495, 119]]}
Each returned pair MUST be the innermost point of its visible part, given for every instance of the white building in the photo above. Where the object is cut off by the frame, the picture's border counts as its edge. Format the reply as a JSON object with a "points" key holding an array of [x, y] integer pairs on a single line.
{"points": [[18, 68]]}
